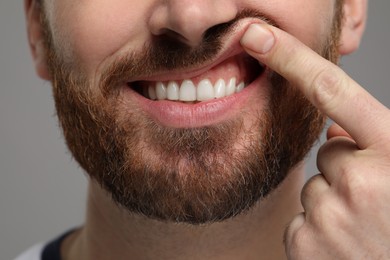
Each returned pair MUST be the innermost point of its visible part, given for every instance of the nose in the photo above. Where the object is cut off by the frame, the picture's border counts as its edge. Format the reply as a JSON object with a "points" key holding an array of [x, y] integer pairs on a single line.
{"points": [[188, 20]]}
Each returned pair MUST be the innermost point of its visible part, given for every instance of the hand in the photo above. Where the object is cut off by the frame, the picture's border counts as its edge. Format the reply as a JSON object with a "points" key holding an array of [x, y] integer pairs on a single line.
{"points": [[347, 206]]}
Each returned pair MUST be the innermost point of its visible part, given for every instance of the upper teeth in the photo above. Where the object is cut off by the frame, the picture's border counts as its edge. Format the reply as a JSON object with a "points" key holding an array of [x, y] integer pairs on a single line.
{"points": [[187, 91]]}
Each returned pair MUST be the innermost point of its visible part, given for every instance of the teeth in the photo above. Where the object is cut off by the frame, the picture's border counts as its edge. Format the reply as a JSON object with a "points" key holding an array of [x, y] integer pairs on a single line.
{"points": [[173, 91], [240, 87], [231, 87], [152, 93], [188, 92], [161, 91], [205, 90], [220, 88]]}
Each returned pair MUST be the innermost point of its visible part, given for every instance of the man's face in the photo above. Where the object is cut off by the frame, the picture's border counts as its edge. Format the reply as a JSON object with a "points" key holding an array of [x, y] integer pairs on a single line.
{"points": [[207, 151]]}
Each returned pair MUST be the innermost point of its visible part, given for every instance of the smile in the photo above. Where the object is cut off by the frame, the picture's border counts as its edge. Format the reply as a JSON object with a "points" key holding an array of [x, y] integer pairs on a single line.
{"points": [[227, 78], [187, 91]]}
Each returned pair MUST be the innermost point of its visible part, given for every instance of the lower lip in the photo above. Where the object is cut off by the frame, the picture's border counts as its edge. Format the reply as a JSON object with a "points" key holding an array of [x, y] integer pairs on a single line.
{"points": [[180, 115]]}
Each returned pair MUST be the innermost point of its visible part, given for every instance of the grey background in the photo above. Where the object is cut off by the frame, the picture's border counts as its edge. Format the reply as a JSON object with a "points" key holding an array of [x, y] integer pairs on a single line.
{"points": [[42, 190]]}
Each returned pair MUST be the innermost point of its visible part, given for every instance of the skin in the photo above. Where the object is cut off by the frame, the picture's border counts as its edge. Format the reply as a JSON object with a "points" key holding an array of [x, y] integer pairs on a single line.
{"points": [[347, 202], [343, 205]]}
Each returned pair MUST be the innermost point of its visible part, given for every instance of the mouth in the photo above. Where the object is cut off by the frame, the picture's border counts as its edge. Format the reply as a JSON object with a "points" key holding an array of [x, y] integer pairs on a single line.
{"points": [[223, 80], [233, 85]]}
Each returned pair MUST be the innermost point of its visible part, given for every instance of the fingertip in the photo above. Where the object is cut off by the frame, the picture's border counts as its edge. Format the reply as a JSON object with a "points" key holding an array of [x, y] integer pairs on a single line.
{"points": [[258, 39]]}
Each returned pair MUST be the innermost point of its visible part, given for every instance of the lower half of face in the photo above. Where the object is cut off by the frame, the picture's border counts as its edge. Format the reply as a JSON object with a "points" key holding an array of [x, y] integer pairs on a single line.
{"points": [[196, 161]]}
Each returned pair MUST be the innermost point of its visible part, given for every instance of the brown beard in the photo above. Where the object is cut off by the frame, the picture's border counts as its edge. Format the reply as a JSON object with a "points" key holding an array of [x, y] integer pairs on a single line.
{"points": [[184, 175]]}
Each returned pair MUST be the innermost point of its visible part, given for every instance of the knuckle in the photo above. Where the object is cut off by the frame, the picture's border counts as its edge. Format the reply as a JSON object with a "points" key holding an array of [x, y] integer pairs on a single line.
{"points": [[320, 211], [326, 88], [338, 151], [308, 188], [349, 175], [293, 228], [355, 185], [327, 214], [298, 244]]}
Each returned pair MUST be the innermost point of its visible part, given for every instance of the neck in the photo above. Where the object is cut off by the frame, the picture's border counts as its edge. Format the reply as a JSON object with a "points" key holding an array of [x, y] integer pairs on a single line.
{"points": [[255, 234]]}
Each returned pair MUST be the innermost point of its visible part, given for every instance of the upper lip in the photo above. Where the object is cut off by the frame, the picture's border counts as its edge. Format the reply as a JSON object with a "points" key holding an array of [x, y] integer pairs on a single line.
{"points": [[232, 47]]}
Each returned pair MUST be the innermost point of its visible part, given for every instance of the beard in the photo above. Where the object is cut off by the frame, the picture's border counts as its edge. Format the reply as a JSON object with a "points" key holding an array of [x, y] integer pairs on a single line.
{"points": [[196, 175]]}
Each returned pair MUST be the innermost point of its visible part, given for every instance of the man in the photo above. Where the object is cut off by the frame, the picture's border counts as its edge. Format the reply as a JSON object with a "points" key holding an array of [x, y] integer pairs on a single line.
{"points": [[192, 119]]}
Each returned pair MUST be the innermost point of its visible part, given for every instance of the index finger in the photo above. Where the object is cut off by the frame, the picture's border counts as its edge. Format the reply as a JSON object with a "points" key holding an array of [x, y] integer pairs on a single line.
{"points": [[329, 88]]}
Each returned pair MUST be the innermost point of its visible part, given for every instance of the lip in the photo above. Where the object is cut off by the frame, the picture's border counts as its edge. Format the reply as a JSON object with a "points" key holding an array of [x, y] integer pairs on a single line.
{"points": [[181, 115], [231, 47]]}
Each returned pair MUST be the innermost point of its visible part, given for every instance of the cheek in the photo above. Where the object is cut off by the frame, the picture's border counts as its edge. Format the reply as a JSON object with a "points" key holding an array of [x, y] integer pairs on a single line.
{"points": [[308, 20], [90, 32]]}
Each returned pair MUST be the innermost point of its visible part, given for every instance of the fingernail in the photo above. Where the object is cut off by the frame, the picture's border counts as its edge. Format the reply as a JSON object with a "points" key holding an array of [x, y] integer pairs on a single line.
{"points": [[258, 39]]}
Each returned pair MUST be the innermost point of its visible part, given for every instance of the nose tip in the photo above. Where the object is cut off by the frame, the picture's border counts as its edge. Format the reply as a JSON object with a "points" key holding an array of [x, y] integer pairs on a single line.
{"points": [[188, 20]]}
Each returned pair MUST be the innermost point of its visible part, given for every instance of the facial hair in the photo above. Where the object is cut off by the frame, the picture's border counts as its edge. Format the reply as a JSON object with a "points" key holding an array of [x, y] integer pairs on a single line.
{"points": [[196, 175]]}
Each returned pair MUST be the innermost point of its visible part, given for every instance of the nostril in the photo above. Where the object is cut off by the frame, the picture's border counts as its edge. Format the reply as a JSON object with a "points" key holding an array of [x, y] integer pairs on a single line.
{"points": [[170, 35], [187, 21]]}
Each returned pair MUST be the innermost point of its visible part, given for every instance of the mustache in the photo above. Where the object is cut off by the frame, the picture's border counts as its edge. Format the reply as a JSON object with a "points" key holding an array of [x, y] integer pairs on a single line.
{"points": [[166, 52]]}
